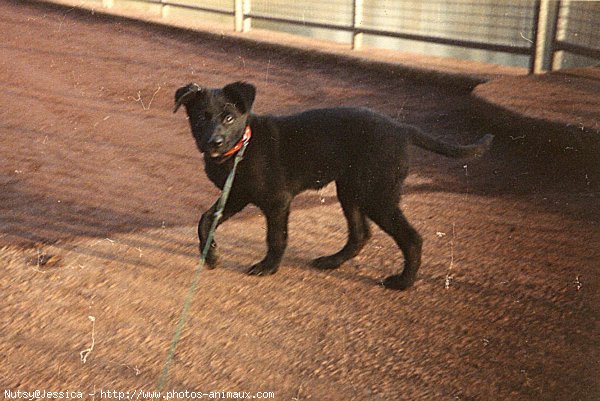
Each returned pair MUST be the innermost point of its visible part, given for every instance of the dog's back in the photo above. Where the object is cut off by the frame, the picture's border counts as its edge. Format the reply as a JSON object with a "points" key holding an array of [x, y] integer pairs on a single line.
{"points": [[321, 145]]}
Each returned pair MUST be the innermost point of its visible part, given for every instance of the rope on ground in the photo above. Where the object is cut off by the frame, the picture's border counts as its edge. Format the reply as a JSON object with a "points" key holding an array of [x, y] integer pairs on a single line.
{"points": [[190, 295]]}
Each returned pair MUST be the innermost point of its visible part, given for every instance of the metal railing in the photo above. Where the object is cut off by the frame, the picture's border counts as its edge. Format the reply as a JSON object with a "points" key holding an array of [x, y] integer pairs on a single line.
{"points": [[536, 29], [387, 20], [195, 7], [575, 30]]}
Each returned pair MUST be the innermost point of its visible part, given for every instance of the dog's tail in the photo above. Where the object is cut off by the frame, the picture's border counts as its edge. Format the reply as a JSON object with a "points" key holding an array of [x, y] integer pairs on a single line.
{"points": [[422, 140]]}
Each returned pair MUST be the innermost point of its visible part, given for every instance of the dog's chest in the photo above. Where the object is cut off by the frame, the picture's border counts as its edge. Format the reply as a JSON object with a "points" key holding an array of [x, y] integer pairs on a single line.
{"points": [[217, 174]]}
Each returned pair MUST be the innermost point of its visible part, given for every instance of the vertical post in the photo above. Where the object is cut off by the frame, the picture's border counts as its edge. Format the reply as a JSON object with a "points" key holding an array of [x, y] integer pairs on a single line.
{"points": [[536, 38], [238, 15], [164, 9], [241, 9], [357, 20], [545, 36], [555, 34]]}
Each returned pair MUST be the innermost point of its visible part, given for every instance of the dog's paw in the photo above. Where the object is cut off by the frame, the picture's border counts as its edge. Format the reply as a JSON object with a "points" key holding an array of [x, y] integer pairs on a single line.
{"points": [[327, 262], [211, 261], [262, 269], [398, 282]]}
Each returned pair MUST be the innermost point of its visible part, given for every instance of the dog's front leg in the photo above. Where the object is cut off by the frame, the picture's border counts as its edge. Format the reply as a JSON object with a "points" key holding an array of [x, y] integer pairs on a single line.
{"points": [[277, 224], [231, 207]]}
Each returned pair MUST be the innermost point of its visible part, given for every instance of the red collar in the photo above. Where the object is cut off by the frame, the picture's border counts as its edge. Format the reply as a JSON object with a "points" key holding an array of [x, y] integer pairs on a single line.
{"points": [[245, 139]]}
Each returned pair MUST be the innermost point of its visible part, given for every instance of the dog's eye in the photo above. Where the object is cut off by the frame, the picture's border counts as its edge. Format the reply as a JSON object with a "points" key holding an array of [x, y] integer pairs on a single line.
{"points": [[228, 119]]}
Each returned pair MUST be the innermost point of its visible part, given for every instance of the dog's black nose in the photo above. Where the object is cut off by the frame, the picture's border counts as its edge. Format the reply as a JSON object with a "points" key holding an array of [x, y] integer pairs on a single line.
{"points": [[216, 141]]}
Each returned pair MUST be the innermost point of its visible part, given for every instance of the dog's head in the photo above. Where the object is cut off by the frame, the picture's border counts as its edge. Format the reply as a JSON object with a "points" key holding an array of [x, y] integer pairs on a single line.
{"points": [[217, 116]]}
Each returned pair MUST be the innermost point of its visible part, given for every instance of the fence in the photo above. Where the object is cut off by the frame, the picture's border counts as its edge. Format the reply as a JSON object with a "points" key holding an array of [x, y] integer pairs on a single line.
{"points": [[541, 31], [576, 31]]}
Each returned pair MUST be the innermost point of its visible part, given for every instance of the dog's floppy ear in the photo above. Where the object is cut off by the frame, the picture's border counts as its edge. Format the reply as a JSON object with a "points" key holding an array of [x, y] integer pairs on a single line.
{"points": [[241, 94], [184, 94]]}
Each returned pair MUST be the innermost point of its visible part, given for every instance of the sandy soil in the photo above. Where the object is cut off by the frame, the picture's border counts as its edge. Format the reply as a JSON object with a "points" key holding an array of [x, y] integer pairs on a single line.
{"points": [[559, 89], [101, 188]]}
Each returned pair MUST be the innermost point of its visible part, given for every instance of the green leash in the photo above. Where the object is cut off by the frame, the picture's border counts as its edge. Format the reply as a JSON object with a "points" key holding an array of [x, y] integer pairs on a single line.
{"points": [[188, 301]]}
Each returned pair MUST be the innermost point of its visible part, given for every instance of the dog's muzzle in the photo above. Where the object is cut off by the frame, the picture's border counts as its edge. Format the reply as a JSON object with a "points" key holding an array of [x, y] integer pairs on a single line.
{"points": [[216, 146], [217, 143]]}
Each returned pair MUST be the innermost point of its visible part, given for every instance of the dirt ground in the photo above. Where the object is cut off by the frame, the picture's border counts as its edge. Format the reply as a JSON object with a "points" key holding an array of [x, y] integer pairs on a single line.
{"points": [[558, 88], [561, 107], [101, 187]]}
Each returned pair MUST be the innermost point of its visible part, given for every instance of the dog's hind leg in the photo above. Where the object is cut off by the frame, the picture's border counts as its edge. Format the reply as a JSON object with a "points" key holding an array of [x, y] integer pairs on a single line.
{"points": [[358, 230], [392, 221]]}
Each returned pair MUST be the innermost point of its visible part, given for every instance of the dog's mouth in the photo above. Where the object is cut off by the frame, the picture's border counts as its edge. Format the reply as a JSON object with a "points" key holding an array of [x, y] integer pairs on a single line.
{"points": [[215, 154], [219, 156], [219, 150]]}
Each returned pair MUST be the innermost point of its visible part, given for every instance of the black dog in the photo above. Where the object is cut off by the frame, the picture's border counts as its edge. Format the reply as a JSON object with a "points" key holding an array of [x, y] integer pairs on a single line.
{"points": [[365, 153]]}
